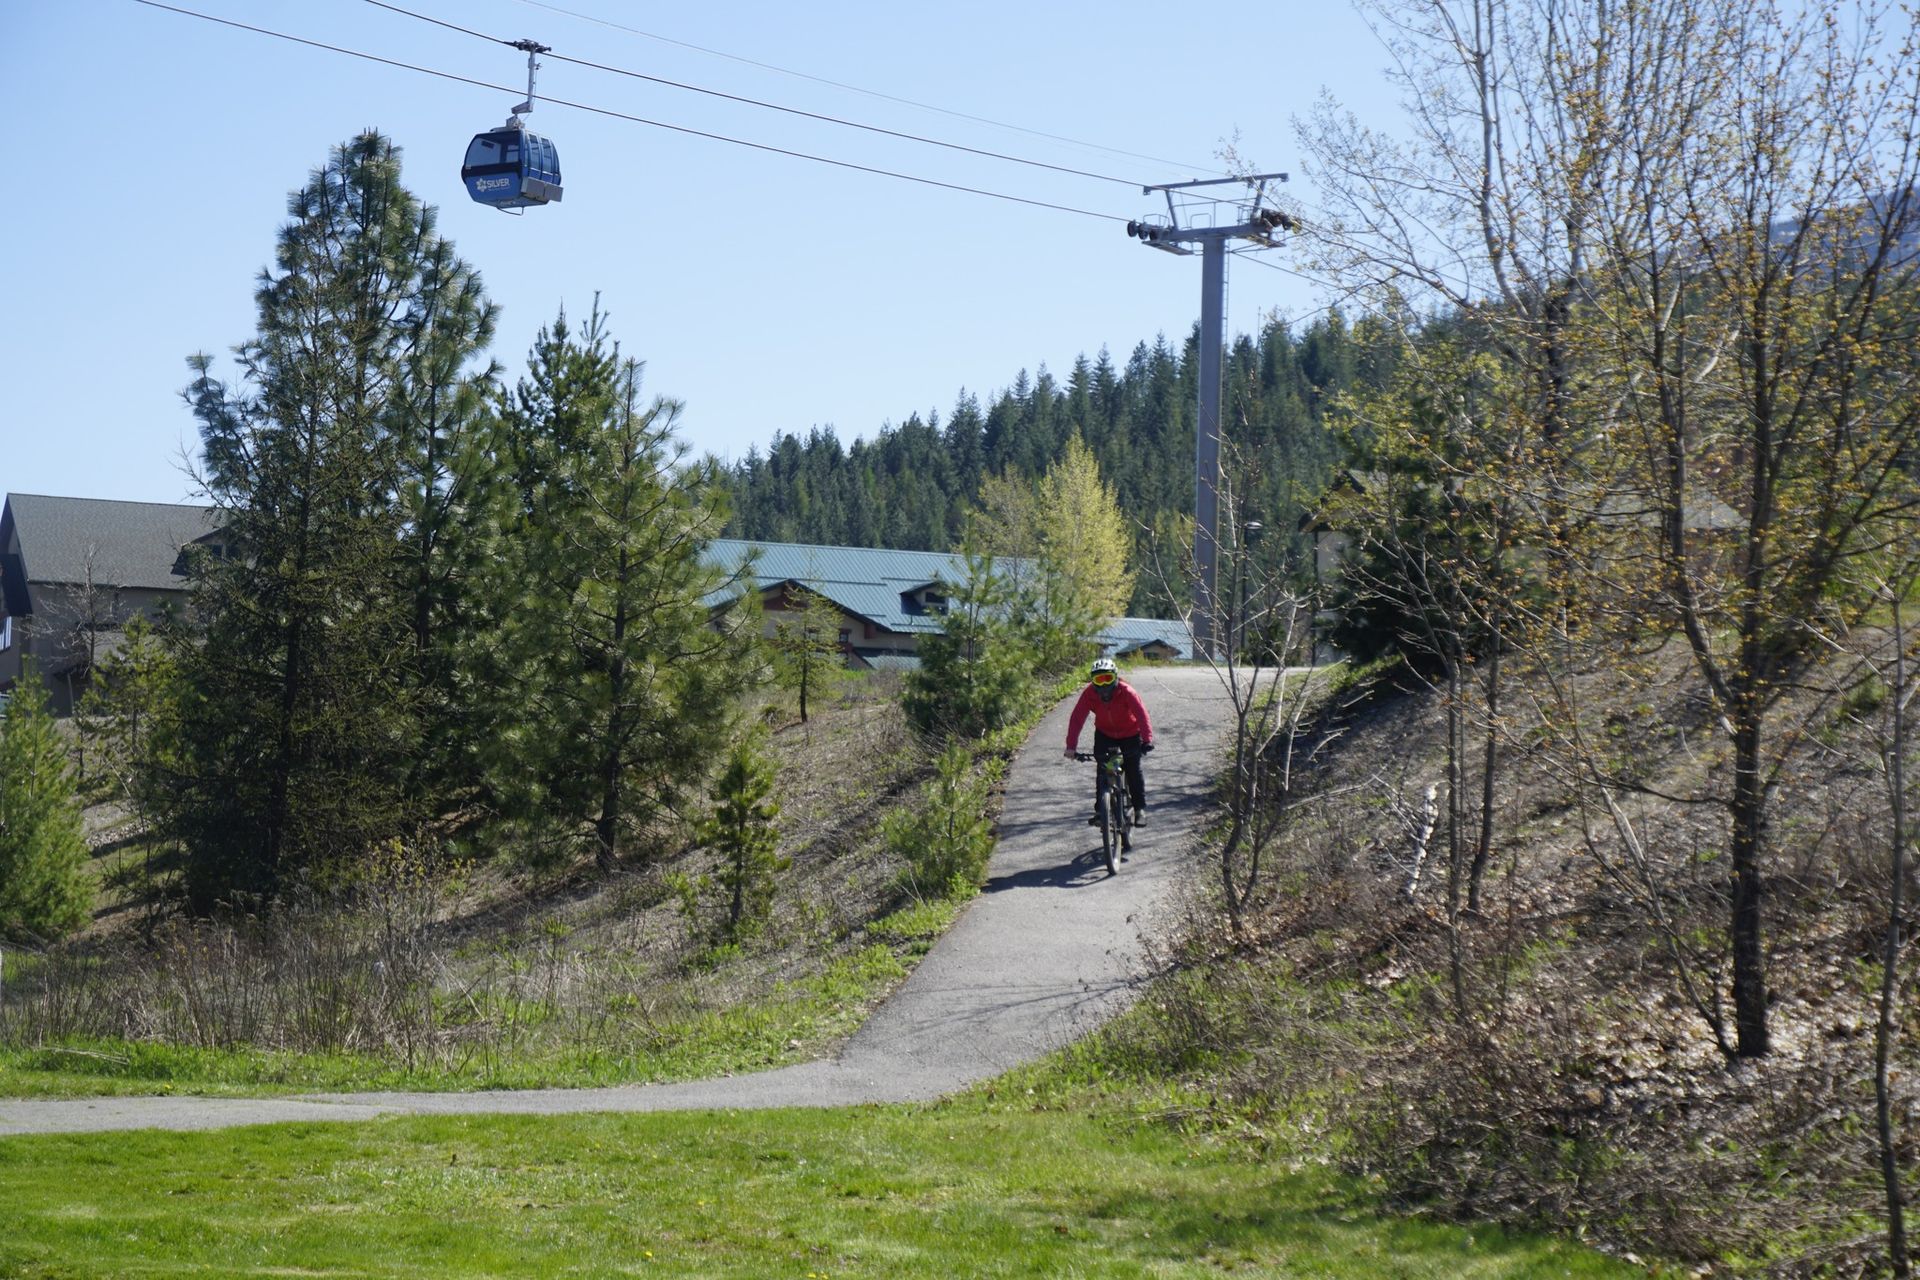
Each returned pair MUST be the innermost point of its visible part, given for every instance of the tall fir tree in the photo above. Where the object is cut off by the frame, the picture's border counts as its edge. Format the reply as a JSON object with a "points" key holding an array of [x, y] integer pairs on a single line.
{"points": [[303, 703], [619, 683], [450, 488]]}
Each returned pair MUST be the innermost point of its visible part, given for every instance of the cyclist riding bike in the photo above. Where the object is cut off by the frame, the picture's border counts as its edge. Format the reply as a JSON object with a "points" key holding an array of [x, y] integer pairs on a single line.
{"points": [[1120, 724]]}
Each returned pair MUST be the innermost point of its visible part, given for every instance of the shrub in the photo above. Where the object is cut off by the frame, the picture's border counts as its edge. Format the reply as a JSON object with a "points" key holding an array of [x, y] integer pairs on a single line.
{"points": [[740, 829], [43, 884], [947, 838], [975, 673]]}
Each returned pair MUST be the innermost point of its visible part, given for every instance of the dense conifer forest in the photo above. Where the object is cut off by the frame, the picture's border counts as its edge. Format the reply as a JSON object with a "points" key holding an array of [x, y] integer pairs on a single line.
{"points": [[911, 485]]}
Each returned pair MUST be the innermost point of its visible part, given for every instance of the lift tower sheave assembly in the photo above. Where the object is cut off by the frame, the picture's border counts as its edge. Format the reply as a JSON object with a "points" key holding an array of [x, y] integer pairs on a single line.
{"points": [[1261, 221]]}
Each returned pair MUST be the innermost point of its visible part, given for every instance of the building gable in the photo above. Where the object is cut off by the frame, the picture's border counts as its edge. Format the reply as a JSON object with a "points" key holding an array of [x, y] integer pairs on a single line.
{"points": [[71, 541]]}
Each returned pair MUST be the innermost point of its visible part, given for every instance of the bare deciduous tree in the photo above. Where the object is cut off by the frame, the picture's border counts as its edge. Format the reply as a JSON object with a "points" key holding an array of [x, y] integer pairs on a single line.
{"points": [[1887, 679], [1265, 623], [1763, 311], [1688, 226]]}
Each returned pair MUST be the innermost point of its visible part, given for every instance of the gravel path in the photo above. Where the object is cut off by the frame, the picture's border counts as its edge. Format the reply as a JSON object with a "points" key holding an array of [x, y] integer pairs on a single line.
{"points": [[1048, 952]]}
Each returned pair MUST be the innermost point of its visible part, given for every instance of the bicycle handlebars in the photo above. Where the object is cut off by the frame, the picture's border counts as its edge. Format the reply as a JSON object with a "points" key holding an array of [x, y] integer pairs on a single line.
{"points": [[1083, 756]]}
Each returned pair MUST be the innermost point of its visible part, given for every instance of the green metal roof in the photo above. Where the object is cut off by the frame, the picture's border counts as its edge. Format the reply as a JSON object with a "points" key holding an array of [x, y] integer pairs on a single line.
{"points": [[876, 585], [865, 581], [1128, 635]]}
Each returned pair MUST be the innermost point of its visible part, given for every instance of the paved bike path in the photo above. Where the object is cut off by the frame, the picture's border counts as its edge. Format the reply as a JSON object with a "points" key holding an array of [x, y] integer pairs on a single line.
{"points": [[1047, 953]]}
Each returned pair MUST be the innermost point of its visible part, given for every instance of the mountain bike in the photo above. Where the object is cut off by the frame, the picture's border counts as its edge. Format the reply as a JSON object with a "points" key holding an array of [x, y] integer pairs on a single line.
{"points": [[1110, 802]]}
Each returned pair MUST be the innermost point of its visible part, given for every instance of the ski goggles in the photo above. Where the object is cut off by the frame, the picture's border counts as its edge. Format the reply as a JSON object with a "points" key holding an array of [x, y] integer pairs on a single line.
{"points": [[1104, 678]]}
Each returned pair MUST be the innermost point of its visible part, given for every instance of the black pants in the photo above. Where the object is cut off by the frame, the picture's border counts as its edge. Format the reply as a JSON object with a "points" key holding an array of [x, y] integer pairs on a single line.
{"points": [[1129, 749]]}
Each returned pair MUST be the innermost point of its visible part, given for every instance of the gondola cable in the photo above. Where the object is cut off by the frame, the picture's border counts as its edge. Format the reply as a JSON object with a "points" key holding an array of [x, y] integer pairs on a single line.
{"points": [[768, 106], [871, 93], [621, 115]]}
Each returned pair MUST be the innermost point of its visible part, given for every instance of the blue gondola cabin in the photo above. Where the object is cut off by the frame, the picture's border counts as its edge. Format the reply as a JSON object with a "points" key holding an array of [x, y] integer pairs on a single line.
{"points": [[510, 168]]}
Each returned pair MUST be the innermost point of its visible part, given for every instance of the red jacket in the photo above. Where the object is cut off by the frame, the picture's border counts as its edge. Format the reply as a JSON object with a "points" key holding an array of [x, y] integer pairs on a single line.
{"points": [[1120, 716]]}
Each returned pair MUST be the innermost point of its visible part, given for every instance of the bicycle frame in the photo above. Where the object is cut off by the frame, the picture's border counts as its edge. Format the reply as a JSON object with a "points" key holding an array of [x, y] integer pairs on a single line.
{"points": [[1110, 805]]}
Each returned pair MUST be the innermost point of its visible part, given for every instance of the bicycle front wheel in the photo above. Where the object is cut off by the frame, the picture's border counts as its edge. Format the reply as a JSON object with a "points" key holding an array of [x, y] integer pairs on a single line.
{"points": [[1109, 831], [1113, 831]]}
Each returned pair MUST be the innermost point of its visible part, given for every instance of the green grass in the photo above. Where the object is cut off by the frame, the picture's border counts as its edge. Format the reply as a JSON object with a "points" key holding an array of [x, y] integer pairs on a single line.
{"points": [[971, 1188], [794, 1024], [917, 926]]}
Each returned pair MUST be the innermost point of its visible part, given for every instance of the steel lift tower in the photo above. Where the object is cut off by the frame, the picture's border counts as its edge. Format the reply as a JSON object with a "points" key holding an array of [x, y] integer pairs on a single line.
{"points": [[1260, 222]]}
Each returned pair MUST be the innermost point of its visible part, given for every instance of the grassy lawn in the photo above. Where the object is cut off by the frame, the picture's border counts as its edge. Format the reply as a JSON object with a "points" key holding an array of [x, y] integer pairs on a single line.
{"points": [[969, 1188]]}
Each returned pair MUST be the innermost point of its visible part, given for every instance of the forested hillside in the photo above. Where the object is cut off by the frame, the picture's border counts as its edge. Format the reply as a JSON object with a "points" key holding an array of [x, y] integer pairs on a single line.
{"points": [[910, 486]]}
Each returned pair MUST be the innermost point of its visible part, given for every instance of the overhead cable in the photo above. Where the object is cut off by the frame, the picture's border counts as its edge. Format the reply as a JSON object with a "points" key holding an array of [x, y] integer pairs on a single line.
{"points": [[1250, 254], [621, 115], [769, 106], [871, 93], [1345, 295]]}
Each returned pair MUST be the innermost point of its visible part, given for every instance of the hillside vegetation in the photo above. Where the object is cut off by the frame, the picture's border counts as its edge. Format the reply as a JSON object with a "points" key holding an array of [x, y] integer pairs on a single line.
{"points": [[483, 976], [1560, 1057], [914, 485]]}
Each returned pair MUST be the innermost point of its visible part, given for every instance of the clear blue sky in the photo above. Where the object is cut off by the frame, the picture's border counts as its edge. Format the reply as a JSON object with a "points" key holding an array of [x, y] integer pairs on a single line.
{"points": [[154, 153]]}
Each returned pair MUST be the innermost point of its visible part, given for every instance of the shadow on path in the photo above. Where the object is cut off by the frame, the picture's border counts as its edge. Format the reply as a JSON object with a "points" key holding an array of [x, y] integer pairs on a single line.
{"points": [[1084, 872]]}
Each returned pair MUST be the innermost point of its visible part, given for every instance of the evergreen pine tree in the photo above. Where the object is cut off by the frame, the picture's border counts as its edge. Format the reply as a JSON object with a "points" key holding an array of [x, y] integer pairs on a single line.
{"points": [[946, 839], [450, 488], [302, 721], [806, 645], [131, 715], [740, 828], [975, 671], [43, 881], [617, 681]]}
